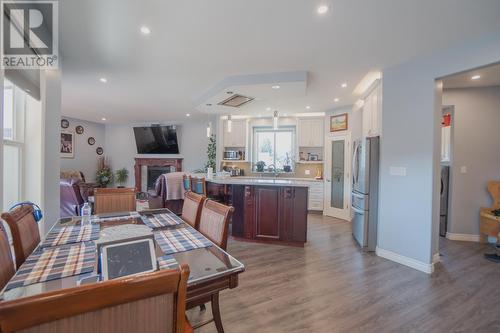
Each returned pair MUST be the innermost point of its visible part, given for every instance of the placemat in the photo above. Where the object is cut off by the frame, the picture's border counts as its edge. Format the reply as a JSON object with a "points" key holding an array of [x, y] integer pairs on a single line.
{"points": [[55, 263], [71, 234], [180, 240], [167, 262], [161, 220]]}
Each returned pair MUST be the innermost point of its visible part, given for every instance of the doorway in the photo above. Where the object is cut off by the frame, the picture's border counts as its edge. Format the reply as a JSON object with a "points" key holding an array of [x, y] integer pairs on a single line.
{"points": [[337, 177]]}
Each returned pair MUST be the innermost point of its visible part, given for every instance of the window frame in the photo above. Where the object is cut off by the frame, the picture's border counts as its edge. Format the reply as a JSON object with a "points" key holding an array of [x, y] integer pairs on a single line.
{"points": [[257, 129]]}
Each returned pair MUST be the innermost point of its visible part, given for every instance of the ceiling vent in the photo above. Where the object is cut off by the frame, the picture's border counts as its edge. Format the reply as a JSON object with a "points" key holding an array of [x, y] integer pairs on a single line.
{"points": [[236, 101]]}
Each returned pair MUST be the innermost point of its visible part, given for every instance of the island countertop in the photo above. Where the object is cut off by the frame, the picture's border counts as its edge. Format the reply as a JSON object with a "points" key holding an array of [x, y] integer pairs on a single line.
{"points": [[261, 181]]}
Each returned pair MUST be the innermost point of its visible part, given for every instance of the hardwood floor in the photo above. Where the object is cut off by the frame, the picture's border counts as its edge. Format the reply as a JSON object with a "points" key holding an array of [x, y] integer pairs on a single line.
{"points": [[331, 286]]}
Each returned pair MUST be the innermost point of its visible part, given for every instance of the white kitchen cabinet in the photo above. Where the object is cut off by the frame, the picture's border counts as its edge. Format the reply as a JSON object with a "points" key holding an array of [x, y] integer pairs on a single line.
{"points": [[316, 194], [372, 112], [310, 132], [238, 135]]}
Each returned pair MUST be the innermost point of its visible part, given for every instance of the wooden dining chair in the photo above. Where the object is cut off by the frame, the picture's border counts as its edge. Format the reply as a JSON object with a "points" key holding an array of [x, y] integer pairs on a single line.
{"points": [[24, 231], [153, 302], [191, 208], [214, 222], [199, 185], [7, 270], [111, 200]]}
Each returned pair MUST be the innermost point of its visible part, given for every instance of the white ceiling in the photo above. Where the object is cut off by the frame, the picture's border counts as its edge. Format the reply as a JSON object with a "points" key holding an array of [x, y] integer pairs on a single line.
{"points": [[489, 76], [197, 43]]}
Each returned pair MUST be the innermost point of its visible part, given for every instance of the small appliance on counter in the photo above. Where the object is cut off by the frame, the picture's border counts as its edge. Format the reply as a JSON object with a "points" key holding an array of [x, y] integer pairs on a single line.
{"points": [[233, 171]]}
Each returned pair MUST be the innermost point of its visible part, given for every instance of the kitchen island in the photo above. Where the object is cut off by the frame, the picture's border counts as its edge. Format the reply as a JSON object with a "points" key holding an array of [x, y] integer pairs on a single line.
{"points": [[266, 210]]}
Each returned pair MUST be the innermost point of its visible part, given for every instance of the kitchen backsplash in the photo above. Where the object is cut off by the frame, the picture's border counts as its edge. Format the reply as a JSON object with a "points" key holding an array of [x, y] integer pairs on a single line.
{"points": [[299, 171]]}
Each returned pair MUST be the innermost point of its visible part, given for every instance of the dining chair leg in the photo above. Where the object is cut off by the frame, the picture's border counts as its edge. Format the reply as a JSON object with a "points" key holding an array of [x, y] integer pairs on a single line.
{"points": [[216, 313]]}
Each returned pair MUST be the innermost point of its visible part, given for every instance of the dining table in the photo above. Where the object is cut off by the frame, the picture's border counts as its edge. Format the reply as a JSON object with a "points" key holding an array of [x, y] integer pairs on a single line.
{"points": [[211, 268]]}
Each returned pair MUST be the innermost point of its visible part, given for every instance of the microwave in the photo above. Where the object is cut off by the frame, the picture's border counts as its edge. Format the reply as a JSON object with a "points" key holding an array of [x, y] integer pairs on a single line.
{"points": [[232, 155]]}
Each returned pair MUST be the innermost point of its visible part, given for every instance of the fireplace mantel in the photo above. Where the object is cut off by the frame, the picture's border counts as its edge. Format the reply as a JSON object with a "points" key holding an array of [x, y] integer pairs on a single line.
{"points": [[152, 161]]}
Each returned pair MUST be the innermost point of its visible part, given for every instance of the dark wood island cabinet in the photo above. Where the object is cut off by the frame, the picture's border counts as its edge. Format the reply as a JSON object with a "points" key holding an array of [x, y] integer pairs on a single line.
{"points": [[275, 213]]}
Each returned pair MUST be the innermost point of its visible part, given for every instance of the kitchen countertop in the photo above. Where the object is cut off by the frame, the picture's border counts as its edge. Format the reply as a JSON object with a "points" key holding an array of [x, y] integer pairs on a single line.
{"points": [[299, 182]]}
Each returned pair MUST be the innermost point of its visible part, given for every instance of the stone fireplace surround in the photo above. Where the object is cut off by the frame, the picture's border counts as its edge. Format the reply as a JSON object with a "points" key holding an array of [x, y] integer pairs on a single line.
{"points": [[142, 163]]}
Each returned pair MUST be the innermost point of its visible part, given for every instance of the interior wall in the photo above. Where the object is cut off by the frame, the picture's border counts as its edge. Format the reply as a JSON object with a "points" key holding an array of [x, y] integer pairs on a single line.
{"points": [[409, 200], [85, 159], [476, 136], [120, 148], [50, 89]]}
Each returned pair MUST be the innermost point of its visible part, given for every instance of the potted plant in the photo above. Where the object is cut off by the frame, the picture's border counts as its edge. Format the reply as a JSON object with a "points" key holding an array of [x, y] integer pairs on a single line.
{"points": [[260, 166], [211, 150], [287, 167], [121, 177], [104, 176]]}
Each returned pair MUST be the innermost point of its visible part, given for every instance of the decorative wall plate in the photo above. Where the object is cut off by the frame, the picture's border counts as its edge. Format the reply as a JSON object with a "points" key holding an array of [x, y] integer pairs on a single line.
{"points": [[91, 141], [79, 129], [99, 151], [64, 123]]}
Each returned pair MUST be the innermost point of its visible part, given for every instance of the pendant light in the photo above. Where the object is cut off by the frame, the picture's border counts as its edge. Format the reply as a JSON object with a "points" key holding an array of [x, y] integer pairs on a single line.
{"points": [[229, 124], [209, 129], [275, 120]]}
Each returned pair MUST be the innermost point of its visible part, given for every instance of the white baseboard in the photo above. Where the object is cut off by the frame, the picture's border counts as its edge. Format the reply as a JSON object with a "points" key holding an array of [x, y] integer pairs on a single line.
{"points": [[407, 261], [462, 237]]}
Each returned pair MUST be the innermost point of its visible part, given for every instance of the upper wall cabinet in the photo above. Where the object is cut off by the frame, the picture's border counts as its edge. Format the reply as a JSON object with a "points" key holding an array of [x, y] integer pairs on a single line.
{"points": [[238, 135], [310, 132], [372, 112]]}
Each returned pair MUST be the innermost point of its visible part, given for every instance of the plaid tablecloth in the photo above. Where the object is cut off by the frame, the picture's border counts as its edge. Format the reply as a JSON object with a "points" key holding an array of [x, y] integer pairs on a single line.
{"points": [[180, 240], [71, 234], [167, 262], [55, 263], [161, 220]]}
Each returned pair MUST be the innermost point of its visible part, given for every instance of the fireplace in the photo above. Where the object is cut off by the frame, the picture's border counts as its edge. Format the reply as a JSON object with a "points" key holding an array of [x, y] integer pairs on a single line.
{"points": [[147, 170], [153, 172]]}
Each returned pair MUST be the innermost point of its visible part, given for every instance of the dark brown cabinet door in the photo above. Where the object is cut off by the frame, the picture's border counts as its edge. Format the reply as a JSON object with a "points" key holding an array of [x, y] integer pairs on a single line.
{"points": [[267, 212]]}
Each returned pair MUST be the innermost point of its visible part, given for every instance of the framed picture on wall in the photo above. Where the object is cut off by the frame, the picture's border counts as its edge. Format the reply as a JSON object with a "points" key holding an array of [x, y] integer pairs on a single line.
{"points": [[67, 149], [338, 122]]}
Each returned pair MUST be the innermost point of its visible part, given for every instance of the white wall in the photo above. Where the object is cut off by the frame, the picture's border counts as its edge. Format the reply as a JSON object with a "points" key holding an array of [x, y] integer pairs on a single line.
{"points": [[411, 113], [476, 139], [85, 159], [121, 150]]}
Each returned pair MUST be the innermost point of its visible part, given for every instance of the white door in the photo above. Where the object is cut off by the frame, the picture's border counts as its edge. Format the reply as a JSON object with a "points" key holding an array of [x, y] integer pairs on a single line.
{"points": [[337, 177]]}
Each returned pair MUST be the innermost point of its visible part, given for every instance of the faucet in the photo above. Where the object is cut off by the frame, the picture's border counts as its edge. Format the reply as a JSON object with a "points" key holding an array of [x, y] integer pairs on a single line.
{"points": [[271, 168]]}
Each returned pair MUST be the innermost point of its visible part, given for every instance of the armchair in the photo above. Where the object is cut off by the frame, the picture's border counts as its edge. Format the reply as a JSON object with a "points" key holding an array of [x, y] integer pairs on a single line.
{"points": [[71, 198]]}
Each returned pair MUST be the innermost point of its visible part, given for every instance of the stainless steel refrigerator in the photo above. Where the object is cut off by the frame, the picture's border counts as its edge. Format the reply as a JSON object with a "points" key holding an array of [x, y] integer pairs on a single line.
{"points": [[365, 172]]}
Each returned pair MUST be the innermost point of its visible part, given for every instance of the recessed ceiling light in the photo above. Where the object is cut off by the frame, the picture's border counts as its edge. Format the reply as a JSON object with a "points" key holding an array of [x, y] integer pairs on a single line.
{"points": [[188, 115], [344, 85], [322, 9], [103, 80], [145, 30], [103, 119], [308, 107], [276, 86], [336, 100], [476, 77], [268, 109]]}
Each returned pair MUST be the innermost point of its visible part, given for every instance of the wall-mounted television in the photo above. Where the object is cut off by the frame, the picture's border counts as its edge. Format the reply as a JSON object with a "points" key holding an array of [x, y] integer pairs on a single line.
{"points": [[156, 140]]}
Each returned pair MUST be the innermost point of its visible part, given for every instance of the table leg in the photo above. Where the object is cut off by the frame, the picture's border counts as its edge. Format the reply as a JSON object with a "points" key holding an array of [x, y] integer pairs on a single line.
{"points": [[216, 313]]}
